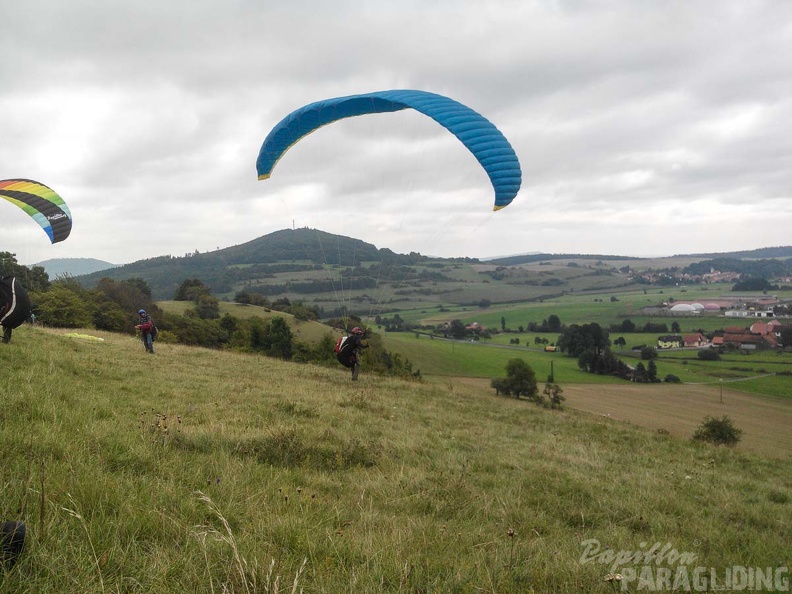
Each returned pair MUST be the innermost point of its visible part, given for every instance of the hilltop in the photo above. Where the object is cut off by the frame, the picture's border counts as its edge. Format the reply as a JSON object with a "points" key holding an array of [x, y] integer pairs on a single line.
{"points": [[226, 270], [73, 266]]}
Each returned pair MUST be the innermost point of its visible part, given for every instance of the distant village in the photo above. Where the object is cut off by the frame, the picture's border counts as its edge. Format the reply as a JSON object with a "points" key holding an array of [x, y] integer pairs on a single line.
{"points": [[767, 324], [689, 276], [766, 319]]}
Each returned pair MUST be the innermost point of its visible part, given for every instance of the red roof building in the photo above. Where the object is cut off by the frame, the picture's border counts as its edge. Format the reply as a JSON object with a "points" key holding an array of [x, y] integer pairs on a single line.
{"points": [[695, 340]]}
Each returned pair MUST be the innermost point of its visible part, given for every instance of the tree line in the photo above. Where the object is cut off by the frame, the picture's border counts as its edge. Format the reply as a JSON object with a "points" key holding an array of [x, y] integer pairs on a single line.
{"points": [[112, 306]]}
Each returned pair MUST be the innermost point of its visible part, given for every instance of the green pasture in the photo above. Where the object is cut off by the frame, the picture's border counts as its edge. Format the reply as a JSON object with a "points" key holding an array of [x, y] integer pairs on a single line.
{"points": [[479, 359], [739, 371], [588, 308], [488, 360]]}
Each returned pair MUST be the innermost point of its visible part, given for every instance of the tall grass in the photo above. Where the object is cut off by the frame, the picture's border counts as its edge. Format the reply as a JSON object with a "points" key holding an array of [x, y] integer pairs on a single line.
{"points": [[207, 471]]}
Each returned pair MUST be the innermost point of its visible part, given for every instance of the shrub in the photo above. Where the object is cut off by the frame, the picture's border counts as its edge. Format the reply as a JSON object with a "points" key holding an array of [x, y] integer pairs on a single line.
{"points": [[708, 355], [648, 353], [672, 379], [552, 396], [718, 431]]}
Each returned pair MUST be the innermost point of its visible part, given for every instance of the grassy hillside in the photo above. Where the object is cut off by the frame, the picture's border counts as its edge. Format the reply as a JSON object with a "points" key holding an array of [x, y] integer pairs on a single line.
{"points": [[305, 331], [203, 471]]}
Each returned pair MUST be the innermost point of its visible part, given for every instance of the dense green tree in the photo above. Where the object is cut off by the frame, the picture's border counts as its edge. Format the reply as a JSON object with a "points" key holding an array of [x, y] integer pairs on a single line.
{"points": [[34, 278], [639, 375], [258, 299], [457, 329], [281, 304], [651, 371], [130, 295], [207, 307], [141, 285], [520, 378], [577, 339], [191, 290], [753, 284], [279, 339], [305, 313], [64, 308], [786, 337], [109, 316], [229, 323], [193, 331], [257, 334], [553, 323], [603, 363]]}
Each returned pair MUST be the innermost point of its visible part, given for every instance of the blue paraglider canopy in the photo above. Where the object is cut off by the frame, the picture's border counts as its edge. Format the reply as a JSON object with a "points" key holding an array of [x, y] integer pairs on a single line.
{"points": [[487, 144]]}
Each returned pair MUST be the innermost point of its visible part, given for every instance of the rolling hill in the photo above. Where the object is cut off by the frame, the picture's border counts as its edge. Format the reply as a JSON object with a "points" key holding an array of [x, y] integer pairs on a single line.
{"points": [[73, 266], [337, 273]]}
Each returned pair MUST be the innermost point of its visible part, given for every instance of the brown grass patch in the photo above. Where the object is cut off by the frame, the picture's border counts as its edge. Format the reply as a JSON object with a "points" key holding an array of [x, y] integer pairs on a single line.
{"points": [[680, 408]]}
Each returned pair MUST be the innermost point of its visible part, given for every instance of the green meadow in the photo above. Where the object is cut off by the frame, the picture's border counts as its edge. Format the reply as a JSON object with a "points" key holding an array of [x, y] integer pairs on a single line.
{"points": [[195, 470], [487, 359]]}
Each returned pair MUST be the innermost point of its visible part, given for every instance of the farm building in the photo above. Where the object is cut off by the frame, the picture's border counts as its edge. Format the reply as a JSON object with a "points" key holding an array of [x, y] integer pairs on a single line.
{"points": [[750, 313], [685, 309], [695, 340], [670, 341]]}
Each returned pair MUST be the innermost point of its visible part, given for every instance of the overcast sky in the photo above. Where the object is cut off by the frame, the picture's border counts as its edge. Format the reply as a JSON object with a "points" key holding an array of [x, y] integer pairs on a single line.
{"points": [[642, 127]]}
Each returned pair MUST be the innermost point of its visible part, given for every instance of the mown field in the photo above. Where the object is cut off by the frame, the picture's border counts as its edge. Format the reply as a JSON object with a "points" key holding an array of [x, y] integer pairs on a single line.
{"points": [[208, 471], [679, 409]]}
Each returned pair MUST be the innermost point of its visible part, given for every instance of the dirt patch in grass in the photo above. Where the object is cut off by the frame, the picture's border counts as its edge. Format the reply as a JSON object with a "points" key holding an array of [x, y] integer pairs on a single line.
{"points": [[680, 408]]}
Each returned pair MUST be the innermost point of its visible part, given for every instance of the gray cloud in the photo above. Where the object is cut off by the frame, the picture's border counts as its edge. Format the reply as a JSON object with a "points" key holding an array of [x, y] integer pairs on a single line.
{"points": [[642, 128]]}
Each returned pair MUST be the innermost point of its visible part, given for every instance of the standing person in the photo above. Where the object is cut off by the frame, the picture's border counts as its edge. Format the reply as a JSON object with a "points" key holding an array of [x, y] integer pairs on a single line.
{"points": [[14, 305], [147, 329], [356, 338]]}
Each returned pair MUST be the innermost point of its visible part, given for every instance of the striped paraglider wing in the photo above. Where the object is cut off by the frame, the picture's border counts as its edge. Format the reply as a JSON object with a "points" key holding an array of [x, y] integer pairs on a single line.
{"points": [[40, 202]]}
